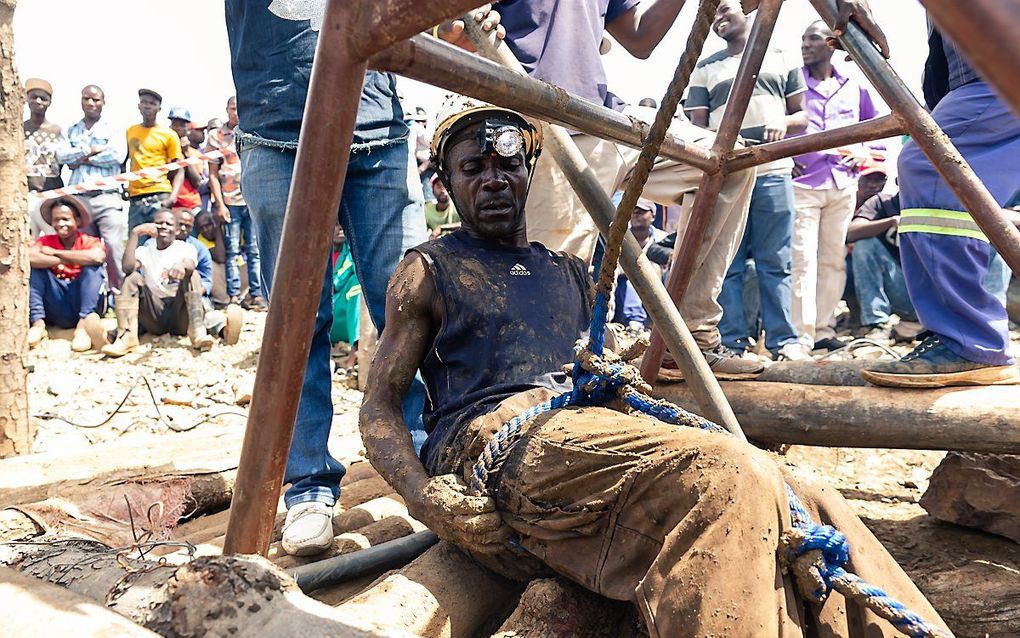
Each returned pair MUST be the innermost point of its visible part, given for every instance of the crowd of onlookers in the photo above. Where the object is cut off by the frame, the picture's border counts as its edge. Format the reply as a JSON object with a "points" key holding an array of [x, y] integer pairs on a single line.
{"points": [[176, 251], [166, 247]]}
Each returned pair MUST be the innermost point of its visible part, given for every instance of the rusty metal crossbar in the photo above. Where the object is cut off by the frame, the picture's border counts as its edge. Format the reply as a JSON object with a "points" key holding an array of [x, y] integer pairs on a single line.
{"points": [[386, 33]]}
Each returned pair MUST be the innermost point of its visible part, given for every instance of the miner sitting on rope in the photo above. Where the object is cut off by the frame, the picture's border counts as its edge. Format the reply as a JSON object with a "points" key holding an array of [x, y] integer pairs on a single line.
{"points": [[683, 522]]}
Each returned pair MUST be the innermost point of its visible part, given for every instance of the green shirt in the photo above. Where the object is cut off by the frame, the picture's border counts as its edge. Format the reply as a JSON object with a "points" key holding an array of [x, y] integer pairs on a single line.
{"points": [[434, 218]]}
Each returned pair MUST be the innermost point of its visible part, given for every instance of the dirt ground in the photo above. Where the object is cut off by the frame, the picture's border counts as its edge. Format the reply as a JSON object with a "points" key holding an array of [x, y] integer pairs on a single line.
{"points": [[973, 570]]}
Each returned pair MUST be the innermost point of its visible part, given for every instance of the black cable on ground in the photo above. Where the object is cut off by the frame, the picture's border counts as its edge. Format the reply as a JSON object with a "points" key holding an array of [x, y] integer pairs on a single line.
{"points": [[339, 569], [155, 403]]}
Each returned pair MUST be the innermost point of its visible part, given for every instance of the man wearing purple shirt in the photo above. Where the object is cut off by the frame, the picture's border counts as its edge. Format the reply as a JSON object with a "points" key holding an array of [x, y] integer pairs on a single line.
{"points": [[825, 187]]}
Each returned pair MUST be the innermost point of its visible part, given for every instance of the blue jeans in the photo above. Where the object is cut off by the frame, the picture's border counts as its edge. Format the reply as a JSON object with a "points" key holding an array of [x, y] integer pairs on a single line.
{"points": [[143, 208], [767, 238], [629, 308], [879, 283], [382, 216], [60, 302], [240, 226]]}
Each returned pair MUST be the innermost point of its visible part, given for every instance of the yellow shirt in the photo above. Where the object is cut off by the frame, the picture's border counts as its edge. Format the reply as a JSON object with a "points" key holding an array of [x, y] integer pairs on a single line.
{"points": [[148, 147]]}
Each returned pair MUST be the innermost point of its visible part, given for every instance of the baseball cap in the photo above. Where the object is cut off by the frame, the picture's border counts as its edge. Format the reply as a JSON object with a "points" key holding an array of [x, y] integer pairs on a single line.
{"points": [[38, 83], [180, 113], [645, 204], [142, 92]]}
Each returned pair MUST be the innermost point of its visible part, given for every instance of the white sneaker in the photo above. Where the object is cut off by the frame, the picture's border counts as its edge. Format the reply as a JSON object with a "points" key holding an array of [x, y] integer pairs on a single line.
{"points": [[794, 352], [308, 529]]}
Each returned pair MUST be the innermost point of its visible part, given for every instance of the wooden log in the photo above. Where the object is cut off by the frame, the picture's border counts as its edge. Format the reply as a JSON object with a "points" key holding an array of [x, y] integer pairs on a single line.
{"points": [[441, 594], [983, 419], [217, 596], [356, 472], [837, 373], [36, 477], [364, 491], [339, 594], [557, 608], [369, 512], [31, 608]]}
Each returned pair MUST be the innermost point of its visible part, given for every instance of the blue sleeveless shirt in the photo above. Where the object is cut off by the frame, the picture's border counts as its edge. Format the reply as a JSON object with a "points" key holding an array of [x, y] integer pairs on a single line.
{"points": [[511, 317]]}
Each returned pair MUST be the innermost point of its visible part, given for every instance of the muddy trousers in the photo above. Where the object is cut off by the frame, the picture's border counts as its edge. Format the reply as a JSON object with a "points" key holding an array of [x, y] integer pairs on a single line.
{"points": [[161, 315], [683, 523]]}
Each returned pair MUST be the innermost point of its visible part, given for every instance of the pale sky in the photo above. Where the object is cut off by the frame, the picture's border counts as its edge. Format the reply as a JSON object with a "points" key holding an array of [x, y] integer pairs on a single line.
{"points": [[180, 49]]}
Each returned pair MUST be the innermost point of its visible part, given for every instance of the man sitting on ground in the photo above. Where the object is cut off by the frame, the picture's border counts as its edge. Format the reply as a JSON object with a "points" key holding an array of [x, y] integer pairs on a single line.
{"points": [[684, 523], [204, 265], [67, 276], [162, 292], [878, 277]]}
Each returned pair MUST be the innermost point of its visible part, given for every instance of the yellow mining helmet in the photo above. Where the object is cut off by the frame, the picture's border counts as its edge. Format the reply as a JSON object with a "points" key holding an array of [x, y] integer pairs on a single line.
{"points": [[503, 132]]}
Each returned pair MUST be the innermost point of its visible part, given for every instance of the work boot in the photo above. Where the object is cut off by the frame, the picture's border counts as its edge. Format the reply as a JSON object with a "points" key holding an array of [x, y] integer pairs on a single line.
{"points": [[36, 333], [308, 529], [200, 339], [127, 328], [257, 304], [89, 334], [235, 321], [95, 330], [932, 365]]}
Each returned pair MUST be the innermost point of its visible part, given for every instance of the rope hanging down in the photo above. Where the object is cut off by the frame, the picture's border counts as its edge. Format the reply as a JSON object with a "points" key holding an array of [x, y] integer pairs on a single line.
{"points": [[816, 554]]}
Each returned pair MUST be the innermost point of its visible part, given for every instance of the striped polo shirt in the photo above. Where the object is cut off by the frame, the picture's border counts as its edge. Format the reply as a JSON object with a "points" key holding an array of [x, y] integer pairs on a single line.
{"points": [[710, 89]]}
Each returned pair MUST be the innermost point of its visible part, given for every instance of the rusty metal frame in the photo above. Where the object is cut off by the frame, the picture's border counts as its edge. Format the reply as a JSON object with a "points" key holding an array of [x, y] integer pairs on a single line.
{"points": [[354, 31]]}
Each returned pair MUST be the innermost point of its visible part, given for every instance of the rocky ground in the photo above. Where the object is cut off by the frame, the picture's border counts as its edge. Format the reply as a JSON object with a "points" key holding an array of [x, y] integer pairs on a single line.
{"points": [[188, 386], [212, 389]]}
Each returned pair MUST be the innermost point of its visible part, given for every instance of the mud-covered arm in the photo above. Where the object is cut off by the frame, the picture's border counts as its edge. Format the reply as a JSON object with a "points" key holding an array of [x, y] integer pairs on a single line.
{"points": [[400, 351], [444, 503]]}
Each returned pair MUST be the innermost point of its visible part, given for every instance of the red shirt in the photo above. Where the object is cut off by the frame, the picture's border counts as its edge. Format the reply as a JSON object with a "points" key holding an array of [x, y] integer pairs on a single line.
{"points": [[68, 272]]}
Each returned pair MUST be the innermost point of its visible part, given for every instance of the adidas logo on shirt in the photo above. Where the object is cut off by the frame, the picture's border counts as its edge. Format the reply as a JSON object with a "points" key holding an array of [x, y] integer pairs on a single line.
{"points": [[519, 270]]}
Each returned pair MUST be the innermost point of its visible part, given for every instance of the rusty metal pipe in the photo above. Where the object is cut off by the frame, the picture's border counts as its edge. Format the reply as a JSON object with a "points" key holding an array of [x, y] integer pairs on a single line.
{"points": [[333, 97], [986, 31], [379, 24], [429, 60], [688, 251], [929, 137], [876, 129], [558, 144]]}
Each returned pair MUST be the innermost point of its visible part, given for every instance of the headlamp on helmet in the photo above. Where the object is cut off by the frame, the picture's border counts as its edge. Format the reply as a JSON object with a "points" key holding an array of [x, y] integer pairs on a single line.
{"points": [[500, 131], [500, 137]]}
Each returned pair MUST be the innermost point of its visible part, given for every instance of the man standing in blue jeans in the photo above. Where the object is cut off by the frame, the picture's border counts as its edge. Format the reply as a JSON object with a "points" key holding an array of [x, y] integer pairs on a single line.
{"points": [[225, 187], [775, 110], [381, 213]]}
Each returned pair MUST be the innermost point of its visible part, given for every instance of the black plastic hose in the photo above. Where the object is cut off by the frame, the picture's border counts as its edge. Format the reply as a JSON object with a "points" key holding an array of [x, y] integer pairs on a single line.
{"points": [[339, 569]]}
